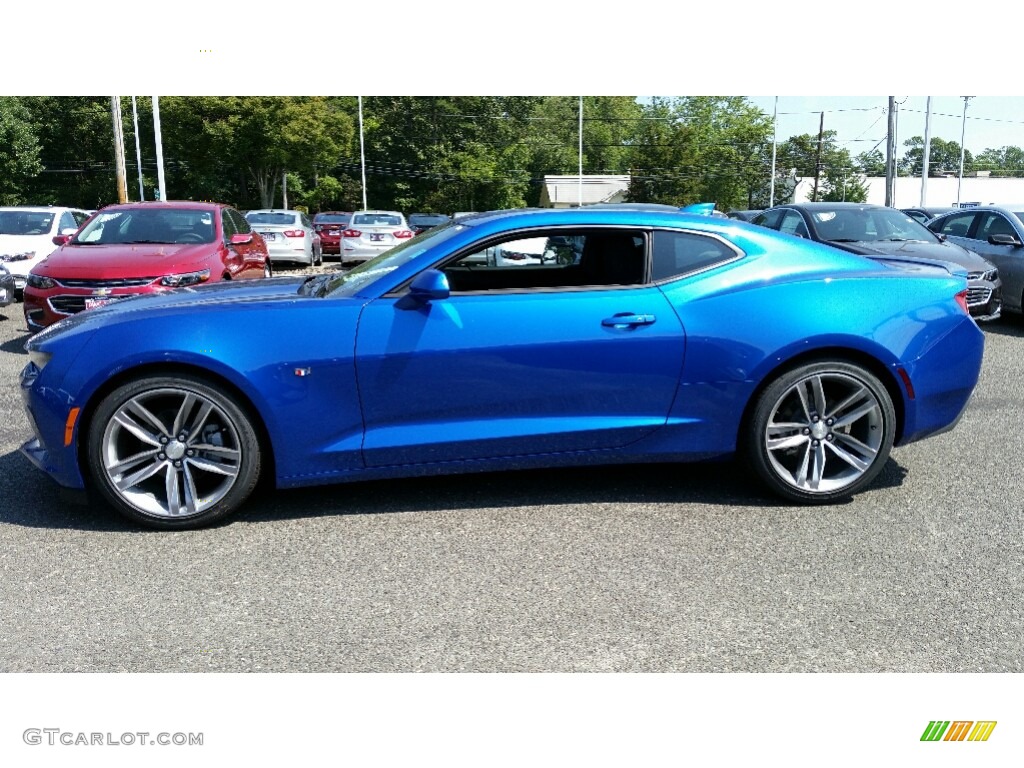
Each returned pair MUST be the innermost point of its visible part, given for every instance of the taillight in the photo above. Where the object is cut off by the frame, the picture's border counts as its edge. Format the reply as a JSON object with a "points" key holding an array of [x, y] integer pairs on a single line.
{"points": [[351, 233], [401, 234], [294, 233], [961, 299]]}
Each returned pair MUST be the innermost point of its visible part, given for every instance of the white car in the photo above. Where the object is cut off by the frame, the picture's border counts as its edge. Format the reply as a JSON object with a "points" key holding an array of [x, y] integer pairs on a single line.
{"points": [[530, 251], [370, 233], [27, 236], [289, 235]]}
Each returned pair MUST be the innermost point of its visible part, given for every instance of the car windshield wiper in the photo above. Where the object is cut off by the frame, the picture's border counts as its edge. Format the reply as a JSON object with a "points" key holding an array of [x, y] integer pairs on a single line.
{"points": [[146, 242], [843, 240]]}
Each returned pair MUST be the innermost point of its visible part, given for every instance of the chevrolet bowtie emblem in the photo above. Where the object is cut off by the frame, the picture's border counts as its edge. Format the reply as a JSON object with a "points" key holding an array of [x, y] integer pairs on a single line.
{"points": [[102, 292]]}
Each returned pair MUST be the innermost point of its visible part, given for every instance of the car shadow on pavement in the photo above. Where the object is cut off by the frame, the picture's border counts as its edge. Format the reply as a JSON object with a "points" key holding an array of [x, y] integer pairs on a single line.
{"points": [[40, 503], [29, 498], [17, 344], [724, 484], [1007, 325]]}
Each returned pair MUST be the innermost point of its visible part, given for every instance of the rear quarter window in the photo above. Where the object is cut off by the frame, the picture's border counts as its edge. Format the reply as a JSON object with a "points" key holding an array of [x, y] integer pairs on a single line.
{"points": [[682, 253]]}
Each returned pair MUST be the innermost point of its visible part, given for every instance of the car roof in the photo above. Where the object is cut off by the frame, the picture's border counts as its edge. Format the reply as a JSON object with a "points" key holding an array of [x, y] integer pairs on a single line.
{"points": [[165, 205], [40, 208], [271, 210]]}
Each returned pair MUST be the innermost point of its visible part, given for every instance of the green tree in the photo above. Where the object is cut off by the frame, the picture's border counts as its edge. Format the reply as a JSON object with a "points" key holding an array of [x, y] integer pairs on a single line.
{"points": [[943, 156], [76, 149], [1005, 161], [871, 163], [19, 150], [218, 146], [702, 149]]}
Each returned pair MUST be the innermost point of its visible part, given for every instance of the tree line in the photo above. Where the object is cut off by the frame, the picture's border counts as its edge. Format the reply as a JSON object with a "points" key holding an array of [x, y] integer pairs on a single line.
{"points": [[439, 154]]}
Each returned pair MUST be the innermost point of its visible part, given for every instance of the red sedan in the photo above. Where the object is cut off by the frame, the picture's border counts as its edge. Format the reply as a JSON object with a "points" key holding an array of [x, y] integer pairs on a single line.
{"points": [[329, 225], [125, 250]]}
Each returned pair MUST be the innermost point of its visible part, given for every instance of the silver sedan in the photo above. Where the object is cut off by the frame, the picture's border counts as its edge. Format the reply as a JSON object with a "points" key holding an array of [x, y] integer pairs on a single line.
{"points": [[289, 235], [370, 233]]}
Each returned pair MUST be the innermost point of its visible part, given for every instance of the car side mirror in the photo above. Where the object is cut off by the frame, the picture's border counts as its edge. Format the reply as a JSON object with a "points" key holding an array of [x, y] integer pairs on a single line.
{"points": [[429, 285], [1003, 240], [63, 238], [240, 238]]}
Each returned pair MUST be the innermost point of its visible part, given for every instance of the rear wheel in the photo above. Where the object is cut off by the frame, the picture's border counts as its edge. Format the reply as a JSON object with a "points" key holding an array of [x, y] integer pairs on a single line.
{"points": [[172, 451], [821, 431]]}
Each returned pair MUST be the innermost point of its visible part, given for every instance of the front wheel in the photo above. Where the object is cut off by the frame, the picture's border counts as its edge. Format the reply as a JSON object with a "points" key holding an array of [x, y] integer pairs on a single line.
{"points": [[172, 451], [821, 432]]}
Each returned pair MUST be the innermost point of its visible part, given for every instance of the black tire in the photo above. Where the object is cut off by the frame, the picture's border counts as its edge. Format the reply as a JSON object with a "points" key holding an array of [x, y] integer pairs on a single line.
{"points": [[172, 452], [268, 270], [820, 432], [319, 256]]}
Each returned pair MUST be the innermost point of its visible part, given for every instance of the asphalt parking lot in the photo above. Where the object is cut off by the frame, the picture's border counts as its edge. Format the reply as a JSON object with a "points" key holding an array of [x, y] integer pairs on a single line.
{"points": [[639, 569]]}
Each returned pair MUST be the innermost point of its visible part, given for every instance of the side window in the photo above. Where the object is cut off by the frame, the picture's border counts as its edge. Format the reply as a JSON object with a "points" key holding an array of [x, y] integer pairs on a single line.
{"points": [[67, 221], [241, 223], [80, 217], [957, 225], [769, 219], [306, 222], [793, 224], [679, 253], [229, 223], [993, 224], [554, 259]]}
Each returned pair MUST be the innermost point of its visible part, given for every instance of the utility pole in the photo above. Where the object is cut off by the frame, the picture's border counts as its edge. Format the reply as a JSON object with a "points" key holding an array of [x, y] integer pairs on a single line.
{"points": [[161, 188], [817, 162], [138, 148], [284, 190], [927, 151], [775, 144], [890, 152], [963, 132], [115, 113]]}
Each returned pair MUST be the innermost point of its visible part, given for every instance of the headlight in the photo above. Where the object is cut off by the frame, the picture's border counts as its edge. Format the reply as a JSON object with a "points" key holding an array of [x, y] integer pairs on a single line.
{"points": [[17, 256], [39, 358], [188, 278], [40, 281]]}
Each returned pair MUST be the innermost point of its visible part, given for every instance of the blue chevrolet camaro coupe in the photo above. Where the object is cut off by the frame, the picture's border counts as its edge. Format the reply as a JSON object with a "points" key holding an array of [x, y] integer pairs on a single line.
{"points": [[629, 335]]}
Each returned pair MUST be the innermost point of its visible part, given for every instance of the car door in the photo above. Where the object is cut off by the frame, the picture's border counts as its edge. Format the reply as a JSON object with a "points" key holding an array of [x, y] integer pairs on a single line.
{"points": [[1007, 257], [250, 256], [516, 371]]}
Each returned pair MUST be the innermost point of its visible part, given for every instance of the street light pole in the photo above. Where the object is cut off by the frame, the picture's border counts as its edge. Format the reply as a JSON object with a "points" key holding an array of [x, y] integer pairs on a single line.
{"points": [[963, 132]]}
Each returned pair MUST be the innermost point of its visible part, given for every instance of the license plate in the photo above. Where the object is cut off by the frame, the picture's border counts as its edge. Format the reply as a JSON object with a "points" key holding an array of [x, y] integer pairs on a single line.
{"points": [[376, 238], [269, 236], [93, 303]]}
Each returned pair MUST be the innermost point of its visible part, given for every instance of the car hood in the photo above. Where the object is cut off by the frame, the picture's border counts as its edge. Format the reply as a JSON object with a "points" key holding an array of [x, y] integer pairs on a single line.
{"points": [[914, 249], [114, 261], [40, 244]]}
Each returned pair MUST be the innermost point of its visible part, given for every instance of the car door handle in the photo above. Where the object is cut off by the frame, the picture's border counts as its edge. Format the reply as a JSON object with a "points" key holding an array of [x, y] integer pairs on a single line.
{"points": [[627, 319]]}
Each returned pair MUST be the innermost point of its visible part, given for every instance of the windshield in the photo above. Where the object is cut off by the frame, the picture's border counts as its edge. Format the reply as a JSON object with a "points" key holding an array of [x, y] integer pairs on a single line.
{"points": [[427, 219], [147, 225], [349, 283], [25, 222], [849, 225], [283, 219], [331, 218], [377, 220]]}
